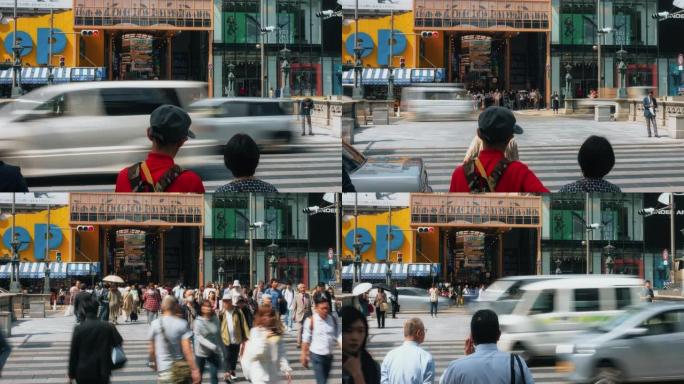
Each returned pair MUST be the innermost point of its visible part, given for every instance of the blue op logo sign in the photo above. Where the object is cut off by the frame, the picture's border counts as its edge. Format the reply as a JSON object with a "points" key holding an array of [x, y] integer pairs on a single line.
{"points": [[368, 45], [25, 40], [366, 240], [25, 240]]}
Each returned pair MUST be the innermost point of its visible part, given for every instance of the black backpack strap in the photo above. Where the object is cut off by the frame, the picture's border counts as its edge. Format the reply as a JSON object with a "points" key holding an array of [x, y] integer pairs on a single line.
{"points": [[520, 368], [167, 178], [475, 182], [136, 180], [512, 369]]}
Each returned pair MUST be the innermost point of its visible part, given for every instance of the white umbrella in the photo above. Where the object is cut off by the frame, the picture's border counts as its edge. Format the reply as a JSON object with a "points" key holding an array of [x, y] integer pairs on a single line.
{"points": [[362, 288], [113, 279]]}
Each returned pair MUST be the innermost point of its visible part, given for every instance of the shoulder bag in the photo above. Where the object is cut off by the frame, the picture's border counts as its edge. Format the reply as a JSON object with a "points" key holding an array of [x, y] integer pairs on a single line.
{"points": [[180, 369]]}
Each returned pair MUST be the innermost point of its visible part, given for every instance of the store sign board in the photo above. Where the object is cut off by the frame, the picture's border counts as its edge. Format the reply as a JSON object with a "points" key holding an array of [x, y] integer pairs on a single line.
{"points": [[136, 209], [36, 4], [376, 199], [144, 14], [473, 16], [465, 210], [396, 5]]}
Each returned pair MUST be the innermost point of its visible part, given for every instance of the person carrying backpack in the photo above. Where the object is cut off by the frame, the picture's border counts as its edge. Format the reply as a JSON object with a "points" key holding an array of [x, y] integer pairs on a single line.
{"points": [[490, 171], [483, 362], [169, 130], [322, 336]]}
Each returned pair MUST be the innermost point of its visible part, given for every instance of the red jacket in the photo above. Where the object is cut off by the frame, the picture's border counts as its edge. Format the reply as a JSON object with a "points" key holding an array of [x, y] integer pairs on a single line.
{"points": [[158, 163], [516, 178]]}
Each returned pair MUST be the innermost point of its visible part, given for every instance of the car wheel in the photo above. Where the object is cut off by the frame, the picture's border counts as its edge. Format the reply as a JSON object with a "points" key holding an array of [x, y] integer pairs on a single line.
{"points": [[607, 375], [520, 350]]}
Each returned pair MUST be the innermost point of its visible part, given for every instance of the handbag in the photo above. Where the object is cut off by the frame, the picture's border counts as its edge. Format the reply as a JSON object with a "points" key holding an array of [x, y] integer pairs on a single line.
{"points": [[119, 358], [180, 369], [384, 307]]}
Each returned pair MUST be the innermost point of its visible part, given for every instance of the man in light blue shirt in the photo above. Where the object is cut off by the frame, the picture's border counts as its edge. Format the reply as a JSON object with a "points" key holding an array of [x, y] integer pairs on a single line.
{"points": [[409, 363], [484, 363]]}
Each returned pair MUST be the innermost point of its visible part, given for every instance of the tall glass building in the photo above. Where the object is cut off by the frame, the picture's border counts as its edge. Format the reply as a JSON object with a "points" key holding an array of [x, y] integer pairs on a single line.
{"points": [[313, 44], [296, 243]]}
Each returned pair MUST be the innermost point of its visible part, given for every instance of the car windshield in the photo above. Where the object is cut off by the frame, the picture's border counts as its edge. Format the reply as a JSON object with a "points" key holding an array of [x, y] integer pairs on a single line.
{"points": [[496, 290], [618, 320], [351, 158], [30, 101]]}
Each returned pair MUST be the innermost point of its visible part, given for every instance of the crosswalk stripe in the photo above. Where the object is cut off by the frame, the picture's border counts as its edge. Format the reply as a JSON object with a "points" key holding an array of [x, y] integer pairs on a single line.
{"points": [[444, 352], [46, 362], [637, 166]]}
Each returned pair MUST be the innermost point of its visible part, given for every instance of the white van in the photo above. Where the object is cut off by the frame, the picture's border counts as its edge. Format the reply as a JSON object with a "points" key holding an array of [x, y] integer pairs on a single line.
{"points": [[553, 312], [438, 102]]}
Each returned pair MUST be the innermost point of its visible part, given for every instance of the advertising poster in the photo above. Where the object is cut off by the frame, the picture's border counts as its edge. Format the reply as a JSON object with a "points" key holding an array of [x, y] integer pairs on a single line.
{"points": [[480, 55]]}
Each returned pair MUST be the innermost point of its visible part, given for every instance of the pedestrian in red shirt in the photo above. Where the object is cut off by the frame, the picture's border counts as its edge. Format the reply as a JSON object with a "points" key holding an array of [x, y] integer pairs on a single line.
{"points": [[490, 171], [169, 130]]}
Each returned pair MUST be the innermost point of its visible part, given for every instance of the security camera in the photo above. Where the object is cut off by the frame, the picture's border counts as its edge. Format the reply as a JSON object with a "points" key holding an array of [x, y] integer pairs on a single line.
{"points": [[268, 29], [258, 224], [594, 225]]}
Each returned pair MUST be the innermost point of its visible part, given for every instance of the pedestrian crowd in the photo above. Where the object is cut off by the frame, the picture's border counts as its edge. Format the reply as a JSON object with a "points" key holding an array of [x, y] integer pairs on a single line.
{"points": [[208, 329], [515, 100]]}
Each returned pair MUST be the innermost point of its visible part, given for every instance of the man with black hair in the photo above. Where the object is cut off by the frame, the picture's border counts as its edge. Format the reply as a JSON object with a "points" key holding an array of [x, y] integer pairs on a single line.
{"points": [[90, 358], [78, 303], [650, 110], [169, 130], [484, 363], [241, 156], [490, 171], [11, 179], [596, 158], [321, 337]]}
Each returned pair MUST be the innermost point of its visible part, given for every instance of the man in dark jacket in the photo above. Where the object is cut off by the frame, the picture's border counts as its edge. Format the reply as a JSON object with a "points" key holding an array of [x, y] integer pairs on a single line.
{"points": [[305, 108], [90, 358], [78, 303], [11, 179]]}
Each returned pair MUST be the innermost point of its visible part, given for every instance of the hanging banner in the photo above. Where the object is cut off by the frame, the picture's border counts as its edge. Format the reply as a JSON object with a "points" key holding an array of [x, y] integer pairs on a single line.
{"points": [[396, 5]]}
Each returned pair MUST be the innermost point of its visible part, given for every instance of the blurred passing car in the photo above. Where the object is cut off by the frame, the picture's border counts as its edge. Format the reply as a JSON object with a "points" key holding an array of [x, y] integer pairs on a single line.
{"points": [[504, 294], [413, 299], [553, 312], [90, 128], [384, 174], [265, 120], [645, 343], [438, 102]]}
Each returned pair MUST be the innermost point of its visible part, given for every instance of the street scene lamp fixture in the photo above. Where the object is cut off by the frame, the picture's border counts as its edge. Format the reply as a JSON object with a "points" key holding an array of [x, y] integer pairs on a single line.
{"points": [[272, 250], [285, 68], [231, 80]]}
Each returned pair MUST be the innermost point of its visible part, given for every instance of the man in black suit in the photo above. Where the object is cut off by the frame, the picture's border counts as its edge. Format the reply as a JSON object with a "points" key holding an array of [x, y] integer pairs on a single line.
{"points": [[78, 303], [11, 179], [90, 359]]}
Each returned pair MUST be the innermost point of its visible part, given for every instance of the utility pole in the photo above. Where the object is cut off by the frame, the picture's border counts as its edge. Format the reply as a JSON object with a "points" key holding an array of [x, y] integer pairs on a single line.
{"points": [[673, 253], [251, 242], [390, 80], [46, 288], [264, 82], [14, 282], [357, 255], [587, 224], [338, 241], [357, 93]]}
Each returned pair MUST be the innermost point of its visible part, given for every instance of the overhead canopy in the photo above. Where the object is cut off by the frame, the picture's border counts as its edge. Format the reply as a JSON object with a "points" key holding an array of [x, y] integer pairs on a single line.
{"points": [[39, 75], [402, 76], [36, 270], [400, 271]]}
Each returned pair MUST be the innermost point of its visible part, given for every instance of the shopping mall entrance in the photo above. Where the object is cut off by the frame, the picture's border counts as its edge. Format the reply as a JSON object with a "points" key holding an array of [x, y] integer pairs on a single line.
{"points": [[496, 60], [483, 237], [145, 237]]}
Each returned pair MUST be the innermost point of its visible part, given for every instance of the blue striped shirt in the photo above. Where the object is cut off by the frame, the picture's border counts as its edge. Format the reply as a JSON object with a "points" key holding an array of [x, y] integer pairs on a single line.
{"points": [[487, 365]]}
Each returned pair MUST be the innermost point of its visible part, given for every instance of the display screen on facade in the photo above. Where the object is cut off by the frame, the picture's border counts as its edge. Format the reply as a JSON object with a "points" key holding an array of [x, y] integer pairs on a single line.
{"points": [[136, 209], [243, 28], [496, 210], [470, 15], [154, 14]]}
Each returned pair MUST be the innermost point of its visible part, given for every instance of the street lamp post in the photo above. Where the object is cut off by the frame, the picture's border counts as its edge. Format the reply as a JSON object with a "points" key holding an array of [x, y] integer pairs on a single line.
{"points": [[357, 93], [390, 79], [285, 68], [273, 259], [609, 250], [15, 244], [16, 65], [221, 271], [231, 80], [622, 70], [568, 82], [388, 273], [357, 245], [46, 288]]}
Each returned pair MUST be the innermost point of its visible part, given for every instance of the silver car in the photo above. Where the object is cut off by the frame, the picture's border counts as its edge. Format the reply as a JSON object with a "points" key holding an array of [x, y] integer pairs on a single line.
{"points": [[645, 343], [90, 128], [267, 121], [384, 174], [412, 299]]}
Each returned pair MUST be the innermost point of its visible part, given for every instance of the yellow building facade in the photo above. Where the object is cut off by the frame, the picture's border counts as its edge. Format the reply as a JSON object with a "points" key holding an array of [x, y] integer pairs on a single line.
{"points": [[405, 244], [31, 228], [34, 33]]}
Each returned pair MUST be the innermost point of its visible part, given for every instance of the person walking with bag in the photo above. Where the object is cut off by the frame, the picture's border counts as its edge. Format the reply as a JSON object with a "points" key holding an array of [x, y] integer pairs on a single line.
{"points": [[301, 308], [321, 338], [381, 307], [265, 360], [234, 334], [115, 301], [170, 349], [90, 356], [208, 351]]}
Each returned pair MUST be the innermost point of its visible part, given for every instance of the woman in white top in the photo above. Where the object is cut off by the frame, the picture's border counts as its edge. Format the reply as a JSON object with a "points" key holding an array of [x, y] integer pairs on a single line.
{"points": [[264, 360]]}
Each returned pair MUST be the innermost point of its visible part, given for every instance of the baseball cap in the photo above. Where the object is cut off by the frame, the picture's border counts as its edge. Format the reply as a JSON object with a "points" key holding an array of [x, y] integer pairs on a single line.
{"points": [[497, 124], [170, 123]]}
